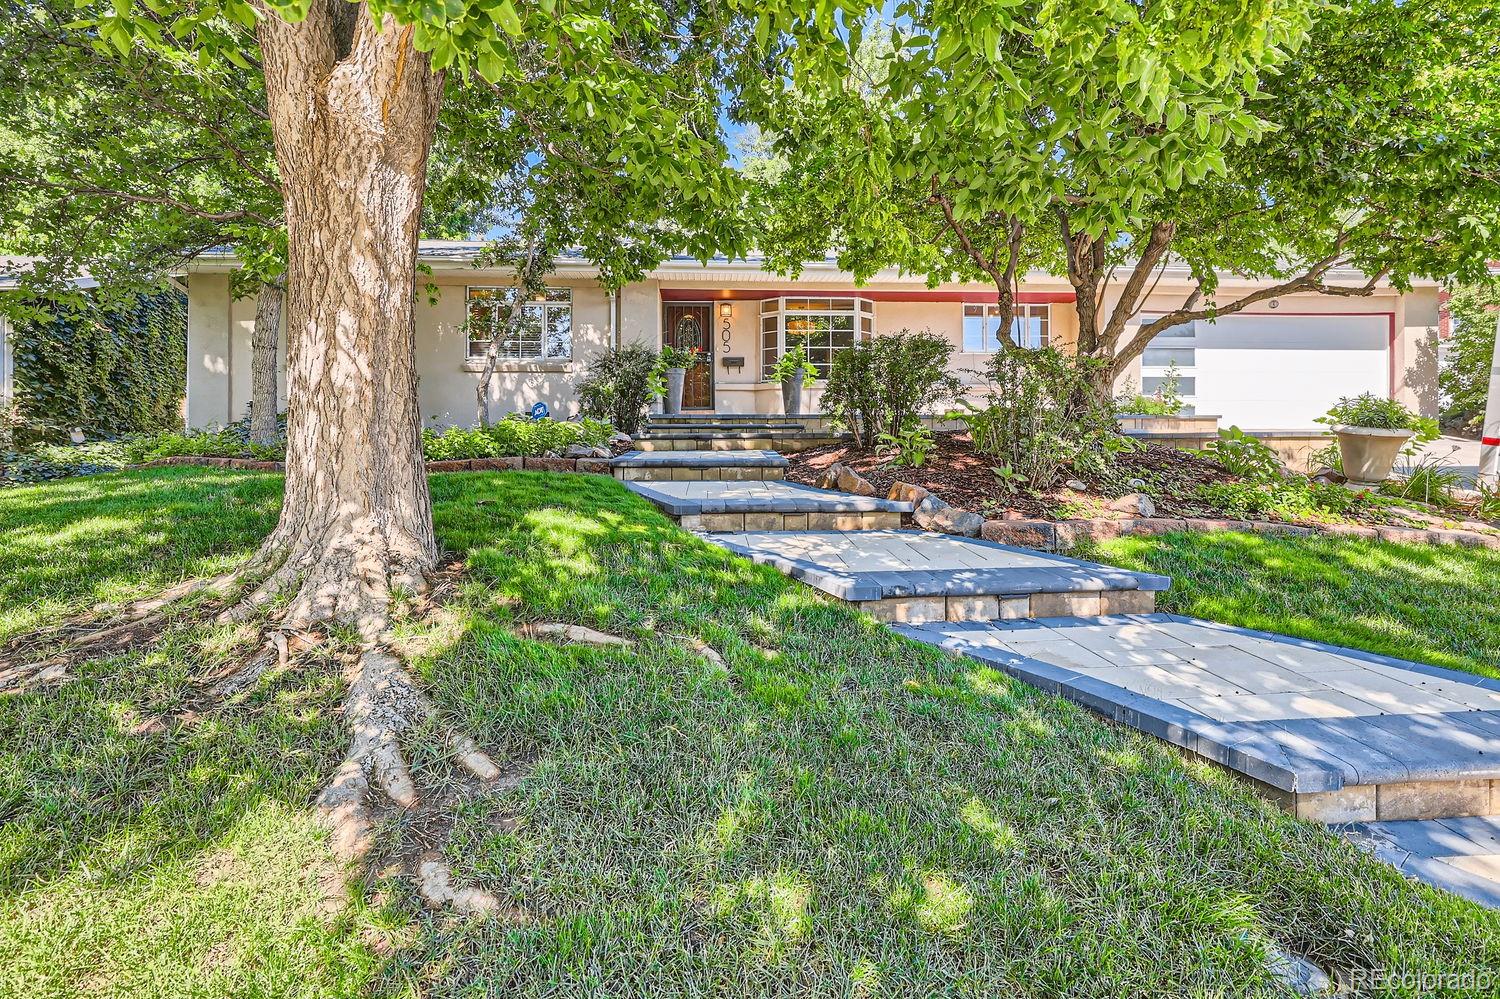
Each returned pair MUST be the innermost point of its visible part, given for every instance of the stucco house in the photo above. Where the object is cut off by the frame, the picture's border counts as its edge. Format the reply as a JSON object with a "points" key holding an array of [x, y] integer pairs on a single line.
{"points": [[1277, 366]]}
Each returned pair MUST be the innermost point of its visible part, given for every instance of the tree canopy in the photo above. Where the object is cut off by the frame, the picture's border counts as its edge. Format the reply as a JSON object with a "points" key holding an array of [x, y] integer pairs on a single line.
{"points": [[1277, 140]]}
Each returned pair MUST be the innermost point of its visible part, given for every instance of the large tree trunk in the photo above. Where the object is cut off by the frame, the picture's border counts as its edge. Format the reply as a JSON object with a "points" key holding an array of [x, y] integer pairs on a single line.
{"points": [[263, 342], [353, 109]]}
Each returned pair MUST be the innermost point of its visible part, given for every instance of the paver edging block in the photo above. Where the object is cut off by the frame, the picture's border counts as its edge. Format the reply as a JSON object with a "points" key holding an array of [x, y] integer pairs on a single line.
{"points": [[588, 466]]}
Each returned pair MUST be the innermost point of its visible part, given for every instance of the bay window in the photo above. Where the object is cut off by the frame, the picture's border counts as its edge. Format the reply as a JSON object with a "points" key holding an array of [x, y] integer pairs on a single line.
{"points": [[824, 325]]}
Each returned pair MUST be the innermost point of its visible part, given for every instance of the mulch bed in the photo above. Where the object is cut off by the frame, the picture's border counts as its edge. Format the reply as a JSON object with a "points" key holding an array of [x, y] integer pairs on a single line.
{"points": [[958, 476]]}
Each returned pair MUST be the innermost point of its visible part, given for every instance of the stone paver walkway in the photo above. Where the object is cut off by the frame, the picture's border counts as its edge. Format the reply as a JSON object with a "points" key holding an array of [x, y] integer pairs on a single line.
{"points": [[1461, 855], [772, 495], [1301, 716], [874, 565]]}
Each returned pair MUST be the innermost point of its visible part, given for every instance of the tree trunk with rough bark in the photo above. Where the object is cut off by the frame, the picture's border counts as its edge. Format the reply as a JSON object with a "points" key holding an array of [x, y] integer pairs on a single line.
{"points": [[263, 343], [353, 110]]}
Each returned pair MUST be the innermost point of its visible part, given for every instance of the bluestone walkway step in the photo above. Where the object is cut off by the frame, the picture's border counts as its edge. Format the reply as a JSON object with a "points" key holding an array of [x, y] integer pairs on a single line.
{"points": [[666, 466], [1337, 734], [916, 576], [769, 505]]}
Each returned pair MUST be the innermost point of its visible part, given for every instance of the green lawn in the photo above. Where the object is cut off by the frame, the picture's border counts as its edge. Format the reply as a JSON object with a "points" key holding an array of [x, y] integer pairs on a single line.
{"points": [[1434, 604], [835, 812]]}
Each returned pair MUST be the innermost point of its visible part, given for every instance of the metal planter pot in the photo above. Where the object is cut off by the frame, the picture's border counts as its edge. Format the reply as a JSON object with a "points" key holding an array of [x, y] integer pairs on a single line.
{"points": [[675, 379], [791, 393]]}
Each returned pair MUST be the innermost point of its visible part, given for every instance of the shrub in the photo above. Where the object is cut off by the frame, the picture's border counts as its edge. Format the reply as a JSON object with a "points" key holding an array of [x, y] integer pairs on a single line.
{"points": [[882, 386], [1166, 401], [1043, 415], [1246, 456], [619, 386], [515, 436]]}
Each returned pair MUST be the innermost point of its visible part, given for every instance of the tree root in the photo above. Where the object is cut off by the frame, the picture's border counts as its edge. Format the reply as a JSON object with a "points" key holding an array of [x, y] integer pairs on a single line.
{"points": [[382, 704], [543, 630]]}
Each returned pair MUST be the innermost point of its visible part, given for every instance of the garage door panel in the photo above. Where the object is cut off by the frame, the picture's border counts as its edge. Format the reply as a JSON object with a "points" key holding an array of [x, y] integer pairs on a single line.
{"points": [[1282, 372]]}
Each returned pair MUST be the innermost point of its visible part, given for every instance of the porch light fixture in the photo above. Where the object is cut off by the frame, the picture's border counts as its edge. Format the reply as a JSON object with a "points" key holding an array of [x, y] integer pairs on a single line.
{"points": [[726, 310]]}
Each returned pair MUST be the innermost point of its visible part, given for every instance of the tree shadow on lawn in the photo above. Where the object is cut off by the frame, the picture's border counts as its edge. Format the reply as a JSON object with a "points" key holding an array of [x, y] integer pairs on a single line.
{"points": [[834, 809], [1434, 604], [69, 544]]}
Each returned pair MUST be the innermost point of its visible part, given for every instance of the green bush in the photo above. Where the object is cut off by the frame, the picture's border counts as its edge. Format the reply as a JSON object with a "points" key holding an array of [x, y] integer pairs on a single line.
{"points": [[1165, 401], [514, 436], [884, 385], [619, 386], [1043, 415]]}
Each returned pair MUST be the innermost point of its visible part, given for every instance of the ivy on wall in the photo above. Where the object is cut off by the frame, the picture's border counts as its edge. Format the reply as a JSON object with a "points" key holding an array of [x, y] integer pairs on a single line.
{"points": [[103, 369]]}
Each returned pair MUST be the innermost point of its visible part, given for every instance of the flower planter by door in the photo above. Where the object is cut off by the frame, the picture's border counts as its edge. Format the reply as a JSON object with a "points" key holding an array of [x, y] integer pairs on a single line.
{"points": [[1368, 454], [791, 394], [675, 378]]}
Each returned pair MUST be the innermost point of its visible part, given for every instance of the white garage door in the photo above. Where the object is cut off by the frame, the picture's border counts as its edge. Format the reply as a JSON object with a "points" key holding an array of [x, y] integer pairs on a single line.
{"points": [[1268, 372]]}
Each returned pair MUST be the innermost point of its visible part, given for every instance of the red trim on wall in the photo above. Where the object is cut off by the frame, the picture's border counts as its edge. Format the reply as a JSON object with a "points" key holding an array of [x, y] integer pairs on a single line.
{"points": [[925, 295]]}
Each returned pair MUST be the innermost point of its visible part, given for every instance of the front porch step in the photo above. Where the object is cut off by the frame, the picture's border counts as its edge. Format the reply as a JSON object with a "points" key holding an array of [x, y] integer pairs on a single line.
{"points": [[916, 577], [722, 418], [769, 506], [699, 466], [767, 439], [738, 427]]}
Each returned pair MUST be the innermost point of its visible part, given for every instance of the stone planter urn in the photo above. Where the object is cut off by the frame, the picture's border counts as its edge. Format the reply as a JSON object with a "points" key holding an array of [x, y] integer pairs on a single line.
{"points": [[1369, 454], [673, 403], [791, 393]]}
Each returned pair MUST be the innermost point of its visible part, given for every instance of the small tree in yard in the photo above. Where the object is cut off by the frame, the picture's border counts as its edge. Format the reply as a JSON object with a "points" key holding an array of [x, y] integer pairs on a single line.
{"points": [[1465, 376], [1276, 140], [352, 98]]}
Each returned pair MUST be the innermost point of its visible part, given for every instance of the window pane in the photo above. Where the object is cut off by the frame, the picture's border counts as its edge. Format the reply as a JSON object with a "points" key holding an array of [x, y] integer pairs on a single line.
{"points": [[560, 295], [867, 305], [559, 331], [974, 326], [1161, 357], [1151, 384], [842, 305], [843, 322]]}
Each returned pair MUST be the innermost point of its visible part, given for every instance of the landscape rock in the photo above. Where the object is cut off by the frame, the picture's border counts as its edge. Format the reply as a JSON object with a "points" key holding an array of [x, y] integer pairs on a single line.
{"points": [[1077, 485], [584, 451], [1039, 534], [935, 515], [1297, 973], [905, 492], [622, 440], [1136, 483], [1135, 504], [1328, 476], [851, 481]]}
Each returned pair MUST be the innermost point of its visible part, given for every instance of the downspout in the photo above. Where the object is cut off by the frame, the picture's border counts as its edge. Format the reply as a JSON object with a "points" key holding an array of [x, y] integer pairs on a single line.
{"points": [[614, 325]]}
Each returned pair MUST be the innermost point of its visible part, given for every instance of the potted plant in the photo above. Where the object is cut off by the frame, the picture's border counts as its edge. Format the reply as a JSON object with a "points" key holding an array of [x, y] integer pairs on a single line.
{"points": [[1371, 432], [675, 362], [792, 371]]}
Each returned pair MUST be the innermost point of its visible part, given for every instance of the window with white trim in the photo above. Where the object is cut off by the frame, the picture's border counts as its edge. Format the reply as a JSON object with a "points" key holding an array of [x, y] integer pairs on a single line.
{"points": [[1031, 326], [545, 332], [825, 325]]}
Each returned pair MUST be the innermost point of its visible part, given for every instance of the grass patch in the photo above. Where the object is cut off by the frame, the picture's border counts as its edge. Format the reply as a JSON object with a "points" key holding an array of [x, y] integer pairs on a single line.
{"points": [[835, 811], [1434, 604]]}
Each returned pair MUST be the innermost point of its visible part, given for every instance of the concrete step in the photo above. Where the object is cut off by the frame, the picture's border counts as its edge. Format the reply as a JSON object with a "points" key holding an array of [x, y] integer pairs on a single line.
{"points": [[739, 427], [917, 577], [722, 418], [699, 466], [765, 439], [769, 506]]}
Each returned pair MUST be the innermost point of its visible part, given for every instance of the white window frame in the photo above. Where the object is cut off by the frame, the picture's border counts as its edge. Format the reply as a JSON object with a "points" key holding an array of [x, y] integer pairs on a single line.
{"points": [[1173, 338], [476, 349], [990, 332], [771, 335]]}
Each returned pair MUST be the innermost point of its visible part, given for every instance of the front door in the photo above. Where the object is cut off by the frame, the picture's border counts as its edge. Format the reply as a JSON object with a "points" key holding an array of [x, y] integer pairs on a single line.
{"points": [[689, 326]]}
